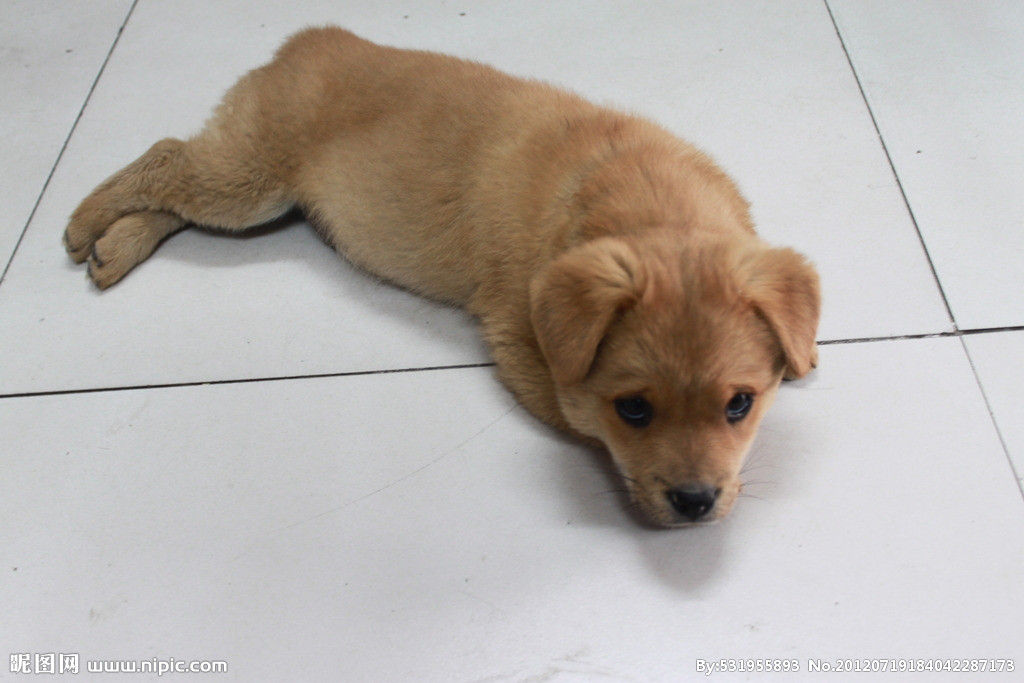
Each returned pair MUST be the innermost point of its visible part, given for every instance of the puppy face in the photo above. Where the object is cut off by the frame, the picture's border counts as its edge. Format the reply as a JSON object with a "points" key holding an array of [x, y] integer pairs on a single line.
{"points": [[669, 350]]}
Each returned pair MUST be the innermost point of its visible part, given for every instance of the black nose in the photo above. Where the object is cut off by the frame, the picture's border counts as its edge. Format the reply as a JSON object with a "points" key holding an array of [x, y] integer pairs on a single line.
{"points": [[693, 502]]}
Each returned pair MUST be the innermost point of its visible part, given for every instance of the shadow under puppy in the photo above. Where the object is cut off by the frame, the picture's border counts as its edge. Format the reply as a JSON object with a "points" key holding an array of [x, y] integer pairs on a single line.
{"points": [[614, 268]]}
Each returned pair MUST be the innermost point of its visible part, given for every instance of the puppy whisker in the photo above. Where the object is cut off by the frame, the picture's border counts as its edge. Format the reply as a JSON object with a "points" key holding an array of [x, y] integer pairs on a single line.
{"points": [[756, 482], [606, 470], [607, 491], [760, 466]]}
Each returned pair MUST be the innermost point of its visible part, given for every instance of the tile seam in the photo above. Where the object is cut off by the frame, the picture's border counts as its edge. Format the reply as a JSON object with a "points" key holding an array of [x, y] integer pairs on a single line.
{"points": [[67, 139], [892, 167], [433, 368], [1017, 475]]}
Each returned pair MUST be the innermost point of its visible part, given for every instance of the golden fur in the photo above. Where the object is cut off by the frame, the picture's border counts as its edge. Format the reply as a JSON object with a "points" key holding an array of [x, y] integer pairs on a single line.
{"points": [[603, 256]]}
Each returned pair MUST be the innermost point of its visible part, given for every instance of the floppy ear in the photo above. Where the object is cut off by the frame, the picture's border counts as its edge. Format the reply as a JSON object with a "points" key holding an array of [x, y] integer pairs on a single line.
{"points": [[784, 288], [574, 299]]}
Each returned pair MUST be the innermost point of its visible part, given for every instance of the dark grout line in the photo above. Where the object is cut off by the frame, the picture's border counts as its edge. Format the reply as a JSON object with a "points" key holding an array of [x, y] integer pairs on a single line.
{"points": [[925, 335], [429, 368], [892, 167], [1017, 476], [863, 340], [987, 330], [60, 155], [247, 380]]}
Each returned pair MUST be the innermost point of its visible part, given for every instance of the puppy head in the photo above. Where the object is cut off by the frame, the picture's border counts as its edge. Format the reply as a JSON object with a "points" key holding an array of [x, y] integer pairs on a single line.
{"points": [[669, 349]]}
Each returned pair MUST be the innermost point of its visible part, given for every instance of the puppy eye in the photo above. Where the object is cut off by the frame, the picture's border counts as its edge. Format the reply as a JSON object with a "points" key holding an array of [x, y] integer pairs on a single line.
{"points": [[738, 407], [634, 411]]}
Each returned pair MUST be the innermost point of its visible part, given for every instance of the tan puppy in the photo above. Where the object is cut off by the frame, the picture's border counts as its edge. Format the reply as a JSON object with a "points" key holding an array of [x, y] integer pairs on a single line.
{"points": [[613, 267]]}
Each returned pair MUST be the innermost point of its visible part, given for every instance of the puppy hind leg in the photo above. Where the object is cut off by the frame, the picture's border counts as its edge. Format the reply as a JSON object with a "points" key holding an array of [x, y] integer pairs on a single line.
{"points": [[174, 183]]}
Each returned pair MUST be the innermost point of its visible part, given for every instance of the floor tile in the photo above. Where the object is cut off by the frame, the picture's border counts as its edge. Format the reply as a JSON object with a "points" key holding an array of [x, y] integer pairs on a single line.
{"points": [[50, 53], [997, 359], [945, 83], [767, 90], [422, 526]]}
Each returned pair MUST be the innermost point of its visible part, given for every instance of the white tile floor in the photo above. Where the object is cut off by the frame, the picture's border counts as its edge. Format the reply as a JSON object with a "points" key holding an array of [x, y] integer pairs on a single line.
{"points": [[419, 525]]}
